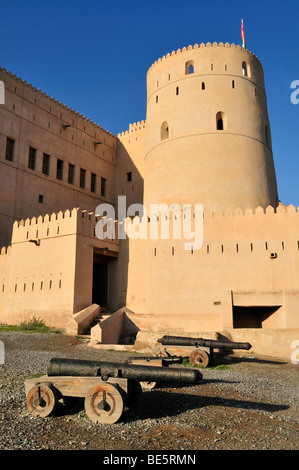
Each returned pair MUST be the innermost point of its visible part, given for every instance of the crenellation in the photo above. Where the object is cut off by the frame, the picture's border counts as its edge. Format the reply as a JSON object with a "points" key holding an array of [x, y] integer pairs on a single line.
{"points": [[5, 250], [29, 86], [133, 127], [206, 45]]}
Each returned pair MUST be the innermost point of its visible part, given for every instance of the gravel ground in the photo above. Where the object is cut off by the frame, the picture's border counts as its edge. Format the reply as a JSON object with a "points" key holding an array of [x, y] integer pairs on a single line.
{"points": [[252, 404]]}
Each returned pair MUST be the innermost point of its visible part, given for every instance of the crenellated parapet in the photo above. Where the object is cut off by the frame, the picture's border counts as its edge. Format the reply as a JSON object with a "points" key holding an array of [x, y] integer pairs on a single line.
{"points": [[59, 224], [45, 226], [202, 46], [83, 222], [5, 73], [133, 128]]}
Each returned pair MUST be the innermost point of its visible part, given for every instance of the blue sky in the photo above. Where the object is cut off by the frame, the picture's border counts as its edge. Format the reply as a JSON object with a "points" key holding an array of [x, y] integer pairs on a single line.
{"points": [[93, 56]]}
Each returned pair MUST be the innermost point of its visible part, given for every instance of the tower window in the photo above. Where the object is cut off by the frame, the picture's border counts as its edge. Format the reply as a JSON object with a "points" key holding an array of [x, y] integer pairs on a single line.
{"points": [[40, 199], [233, 83], [189, 67], [203, 86], [245, 70], [164, 130], [220, 121], [177, 91], [157, 99], [129, 176]]}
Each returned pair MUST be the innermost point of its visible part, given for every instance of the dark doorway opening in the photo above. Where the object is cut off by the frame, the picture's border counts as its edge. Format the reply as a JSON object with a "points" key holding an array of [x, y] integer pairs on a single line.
{"points": [[100, 280], [252, 317]]}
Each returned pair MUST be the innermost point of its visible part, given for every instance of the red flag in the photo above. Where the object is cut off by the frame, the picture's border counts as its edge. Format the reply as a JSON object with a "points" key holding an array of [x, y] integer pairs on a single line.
{"points": [[243, 35]]}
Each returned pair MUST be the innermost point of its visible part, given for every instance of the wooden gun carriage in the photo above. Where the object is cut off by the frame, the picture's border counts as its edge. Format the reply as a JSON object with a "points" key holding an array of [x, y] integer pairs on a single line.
{"points": [[107, 388]]}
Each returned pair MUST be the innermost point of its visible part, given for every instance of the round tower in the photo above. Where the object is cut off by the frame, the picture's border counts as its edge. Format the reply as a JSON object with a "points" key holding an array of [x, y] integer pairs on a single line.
{"points": [[208, 132]]}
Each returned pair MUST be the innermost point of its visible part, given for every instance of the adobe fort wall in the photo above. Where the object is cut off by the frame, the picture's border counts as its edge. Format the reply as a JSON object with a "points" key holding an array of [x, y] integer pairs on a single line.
{"points": [[130, 167], [47, 270], [63, 142], [247, 259]]}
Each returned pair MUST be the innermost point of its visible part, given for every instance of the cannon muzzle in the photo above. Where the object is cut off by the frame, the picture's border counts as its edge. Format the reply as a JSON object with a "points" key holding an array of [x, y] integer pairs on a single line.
{"points": [[140, 373], [208, 343]]}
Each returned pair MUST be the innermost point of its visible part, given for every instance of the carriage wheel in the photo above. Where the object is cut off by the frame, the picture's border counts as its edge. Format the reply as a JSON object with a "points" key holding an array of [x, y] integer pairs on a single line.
{"points": [[104, 403], [199, 358], [42, 400]]}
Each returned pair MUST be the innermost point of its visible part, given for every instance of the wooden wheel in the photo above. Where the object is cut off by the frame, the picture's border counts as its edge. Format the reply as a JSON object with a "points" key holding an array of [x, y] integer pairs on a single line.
{"points": [[42, 400], [104, 403], [199, 357]]}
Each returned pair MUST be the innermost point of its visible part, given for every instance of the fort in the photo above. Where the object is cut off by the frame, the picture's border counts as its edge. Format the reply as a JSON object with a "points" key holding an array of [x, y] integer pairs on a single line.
{"points": [[206, 140]]}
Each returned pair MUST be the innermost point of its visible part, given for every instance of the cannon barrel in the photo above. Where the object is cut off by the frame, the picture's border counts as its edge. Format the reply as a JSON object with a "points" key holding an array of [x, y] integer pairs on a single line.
{"points": [[208, 343], [165, 360], [141, 373]]}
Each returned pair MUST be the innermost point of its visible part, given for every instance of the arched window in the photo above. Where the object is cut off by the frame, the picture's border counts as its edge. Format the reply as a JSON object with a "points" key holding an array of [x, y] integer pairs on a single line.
{"points": [[220, 121], [164, 130], [245, 69], [189, 67]]}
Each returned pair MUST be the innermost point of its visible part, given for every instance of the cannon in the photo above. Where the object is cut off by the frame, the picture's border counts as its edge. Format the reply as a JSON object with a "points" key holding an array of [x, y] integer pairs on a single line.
{"points": [[204, 353], [107, 387], [155, 361]]}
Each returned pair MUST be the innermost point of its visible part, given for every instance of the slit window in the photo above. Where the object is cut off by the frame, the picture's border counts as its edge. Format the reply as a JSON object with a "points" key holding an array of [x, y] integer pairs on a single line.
{"points": [[177, 91], [203, 86]]}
